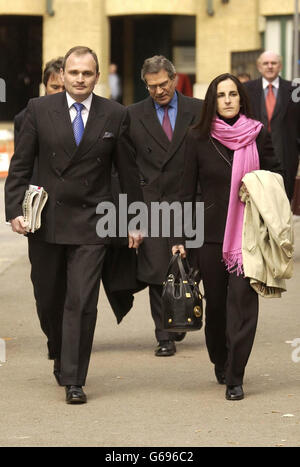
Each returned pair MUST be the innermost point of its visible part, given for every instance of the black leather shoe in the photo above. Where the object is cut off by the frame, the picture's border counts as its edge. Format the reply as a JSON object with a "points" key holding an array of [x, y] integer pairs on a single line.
{"points": [[56, 370], [234, 393], [179, 336], [75, 395], [165, 349], [220, 374]]}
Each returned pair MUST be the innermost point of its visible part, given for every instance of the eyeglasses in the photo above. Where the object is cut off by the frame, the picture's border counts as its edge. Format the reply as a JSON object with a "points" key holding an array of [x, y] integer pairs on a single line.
{"points": [[153, 87]]}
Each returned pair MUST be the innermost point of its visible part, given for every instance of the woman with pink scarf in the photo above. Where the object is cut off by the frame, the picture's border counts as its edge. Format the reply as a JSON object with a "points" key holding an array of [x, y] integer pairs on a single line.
{"points": [[225, 145]]}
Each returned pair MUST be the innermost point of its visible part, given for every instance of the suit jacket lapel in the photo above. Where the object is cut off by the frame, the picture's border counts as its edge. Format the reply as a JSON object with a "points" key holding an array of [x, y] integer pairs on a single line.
{"points": [[60, 117], [94, 126], [257, 98], [152, 125], [283, 98]]}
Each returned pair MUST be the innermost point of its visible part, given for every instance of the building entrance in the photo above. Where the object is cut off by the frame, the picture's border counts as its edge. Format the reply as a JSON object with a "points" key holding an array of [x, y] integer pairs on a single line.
{"points": [[135, 38], [21, 61]]}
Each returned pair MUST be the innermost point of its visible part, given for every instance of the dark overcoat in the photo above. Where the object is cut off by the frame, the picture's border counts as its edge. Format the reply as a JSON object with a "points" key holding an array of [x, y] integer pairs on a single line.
{"points": [[18, 121], [160, 163]]}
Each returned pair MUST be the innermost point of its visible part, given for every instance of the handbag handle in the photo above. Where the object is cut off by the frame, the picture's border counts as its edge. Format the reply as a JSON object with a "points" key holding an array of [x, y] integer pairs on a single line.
{"points": [[181, 268], [183, 274], [177, 258], [171, 263]]}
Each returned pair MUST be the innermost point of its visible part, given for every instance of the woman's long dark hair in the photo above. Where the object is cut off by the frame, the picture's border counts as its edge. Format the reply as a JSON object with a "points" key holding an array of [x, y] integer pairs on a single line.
{"points": [[209, 108]]}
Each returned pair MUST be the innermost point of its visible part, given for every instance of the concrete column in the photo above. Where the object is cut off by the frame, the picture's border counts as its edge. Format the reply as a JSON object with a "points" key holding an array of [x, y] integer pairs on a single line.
{"points": [[79, 22], [202, 79], [128, 90], [233, 27]]}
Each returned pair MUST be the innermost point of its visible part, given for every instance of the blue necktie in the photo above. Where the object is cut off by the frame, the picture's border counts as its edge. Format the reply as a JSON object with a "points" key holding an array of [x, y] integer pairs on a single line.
{"points": [[78, 126]]}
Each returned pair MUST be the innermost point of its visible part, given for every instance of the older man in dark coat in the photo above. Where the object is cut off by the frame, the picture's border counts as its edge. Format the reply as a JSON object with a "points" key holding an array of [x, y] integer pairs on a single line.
{"points": [[158, 127]]}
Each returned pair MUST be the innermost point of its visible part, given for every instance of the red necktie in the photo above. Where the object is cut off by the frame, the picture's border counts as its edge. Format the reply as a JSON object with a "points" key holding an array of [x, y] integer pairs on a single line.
{"points": [[270, 104], [166, 124]]}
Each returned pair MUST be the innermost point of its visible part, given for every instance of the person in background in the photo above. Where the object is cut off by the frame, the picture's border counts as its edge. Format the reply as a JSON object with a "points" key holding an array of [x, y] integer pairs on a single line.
{"points": [[225, 145], [272, 103], [243, 77], [183, 84], [115, 85], [52, 82]]}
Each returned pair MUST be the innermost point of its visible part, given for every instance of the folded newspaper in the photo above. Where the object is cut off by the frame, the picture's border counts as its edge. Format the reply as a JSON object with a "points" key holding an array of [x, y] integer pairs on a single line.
{"points": [[34, 201]]}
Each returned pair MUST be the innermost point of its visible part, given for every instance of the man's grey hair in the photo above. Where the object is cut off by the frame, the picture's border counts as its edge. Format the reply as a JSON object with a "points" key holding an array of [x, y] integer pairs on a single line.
{"points": [[278, 56], [156, 64]]}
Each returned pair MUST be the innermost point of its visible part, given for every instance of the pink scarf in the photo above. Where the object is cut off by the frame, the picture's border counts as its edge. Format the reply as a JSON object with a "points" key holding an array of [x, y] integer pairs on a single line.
{"points": [[241, 138]]}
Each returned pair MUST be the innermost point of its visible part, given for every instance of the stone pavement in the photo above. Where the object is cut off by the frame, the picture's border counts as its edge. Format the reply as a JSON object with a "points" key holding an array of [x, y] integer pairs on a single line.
{"points": [[135, 398]]}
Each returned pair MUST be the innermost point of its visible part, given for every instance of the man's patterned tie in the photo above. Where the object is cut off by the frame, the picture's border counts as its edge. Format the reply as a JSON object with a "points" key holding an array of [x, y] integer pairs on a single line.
{"points": [[270, 104], [166, 124], [78, 126]]}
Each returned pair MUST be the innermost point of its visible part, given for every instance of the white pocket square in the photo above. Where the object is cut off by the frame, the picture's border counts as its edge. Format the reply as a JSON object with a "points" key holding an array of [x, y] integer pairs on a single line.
{"points": [[107, 135]]}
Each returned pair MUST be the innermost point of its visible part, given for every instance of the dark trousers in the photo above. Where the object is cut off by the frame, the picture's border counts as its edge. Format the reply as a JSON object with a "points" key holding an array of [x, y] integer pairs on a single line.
{"points": [[231, 313], [66, 282], [155, 292]]}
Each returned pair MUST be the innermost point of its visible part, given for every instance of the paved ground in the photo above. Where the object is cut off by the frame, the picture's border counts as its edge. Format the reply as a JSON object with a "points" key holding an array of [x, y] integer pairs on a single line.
{"points": [[134, 398]]}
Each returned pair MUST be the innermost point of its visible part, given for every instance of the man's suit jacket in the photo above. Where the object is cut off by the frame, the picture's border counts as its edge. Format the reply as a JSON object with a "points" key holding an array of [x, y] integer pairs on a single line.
{"points": [[285, 126], [160, 164], [18, 121], [76, 178]]}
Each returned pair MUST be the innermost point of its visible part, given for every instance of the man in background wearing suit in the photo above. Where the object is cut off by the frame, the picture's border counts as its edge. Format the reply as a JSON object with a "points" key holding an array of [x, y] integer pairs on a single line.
{"points": [[158, 126], [272, 104], [53, 83], [76, 136]]}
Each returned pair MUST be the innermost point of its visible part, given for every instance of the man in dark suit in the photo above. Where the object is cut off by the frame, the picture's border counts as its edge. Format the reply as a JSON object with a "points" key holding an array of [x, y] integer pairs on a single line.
{"points": [[158, 126], [76, 136], [52, 82], [273, 105]]}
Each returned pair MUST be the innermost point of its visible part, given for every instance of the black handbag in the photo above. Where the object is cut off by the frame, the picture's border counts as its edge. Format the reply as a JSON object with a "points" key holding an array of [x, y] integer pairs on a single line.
{"points": [[182, 301]]}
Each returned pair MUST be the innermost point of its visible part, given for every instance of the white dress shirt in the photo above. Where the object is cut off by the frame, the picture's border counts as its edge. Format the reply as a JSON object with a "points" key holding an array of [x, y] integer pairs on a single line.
{"points": [[85, 111]]}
